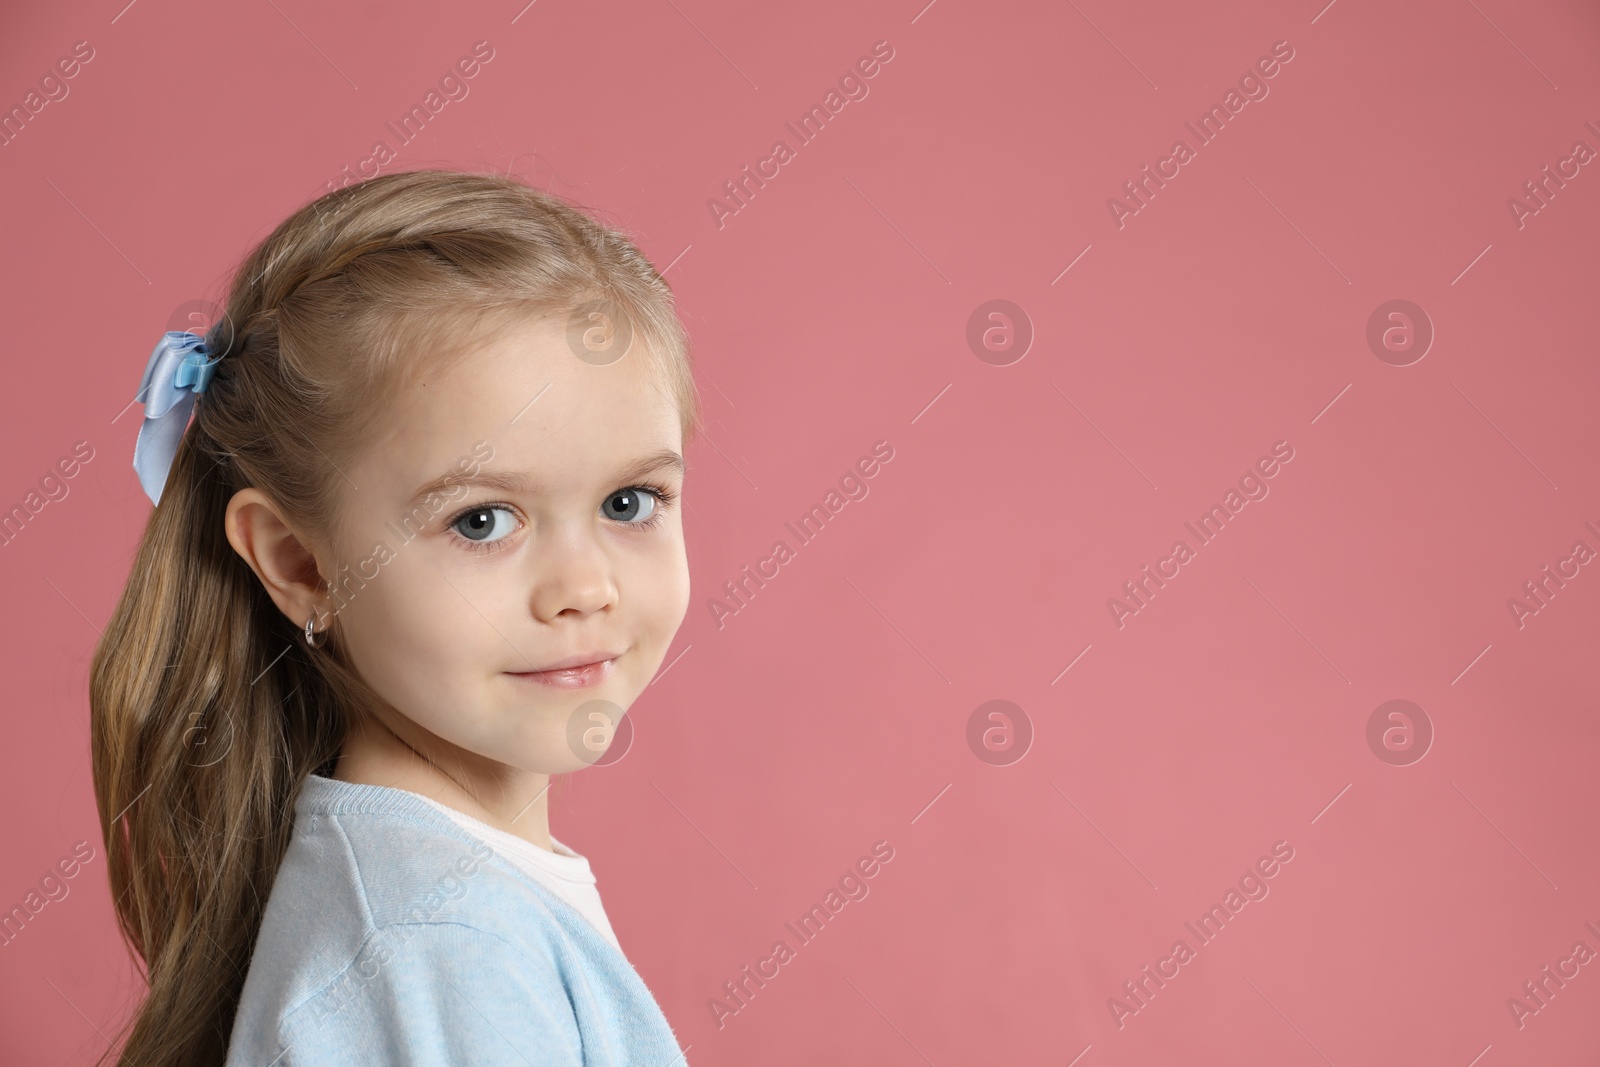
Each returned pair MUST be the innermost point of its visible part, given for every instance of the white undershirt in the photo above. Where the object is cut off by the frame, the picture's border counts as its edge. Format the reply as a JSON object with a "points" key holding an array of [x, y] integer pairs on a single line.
{"points": [[563, 872]]}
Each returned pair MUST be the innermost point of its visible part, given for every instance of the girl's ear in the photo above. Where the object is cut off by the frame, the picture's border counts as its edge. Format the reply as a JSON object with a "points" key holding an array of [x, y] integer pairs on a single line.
{"points": [[285, 564]]}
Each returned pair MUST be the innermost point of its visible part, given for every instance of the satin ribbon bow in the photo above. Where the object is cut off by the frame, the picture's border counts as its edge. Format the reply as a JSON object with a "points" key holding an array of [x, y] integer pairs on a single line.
{"points": [[178, 371]]}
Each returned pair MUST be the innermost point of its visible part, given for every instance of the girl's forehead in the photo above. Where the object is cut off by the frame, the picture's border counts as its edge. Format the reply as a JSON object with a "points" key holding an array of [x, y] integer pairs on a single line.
{"points": [[520, 362], [522, 403]]}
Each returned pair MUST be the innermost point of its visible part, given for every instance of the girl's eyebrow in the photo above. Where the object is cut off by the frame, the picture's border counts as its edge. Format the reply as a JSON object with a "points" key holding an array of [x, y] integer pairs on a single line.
{"points": [[516, 482]]}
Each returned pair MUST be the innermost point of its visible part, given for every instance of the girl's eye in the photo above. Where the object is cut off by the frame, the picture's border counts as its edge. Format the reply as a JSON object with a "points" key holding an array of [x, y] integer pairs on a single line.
{"points": [[634, 505], [485, 524]]}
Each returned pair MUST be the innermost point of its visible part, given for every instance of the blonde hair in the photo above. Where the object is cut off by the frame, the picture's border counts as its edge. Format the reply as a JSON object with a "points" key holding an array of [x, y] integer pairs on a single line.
{"points": [[206, 710]]}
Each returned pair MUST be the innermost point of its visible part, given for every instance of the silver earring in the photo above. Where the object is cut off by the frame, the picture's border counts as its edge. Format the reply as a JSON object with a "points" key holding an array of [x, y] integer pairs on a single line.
{"points": [[309, 631]]}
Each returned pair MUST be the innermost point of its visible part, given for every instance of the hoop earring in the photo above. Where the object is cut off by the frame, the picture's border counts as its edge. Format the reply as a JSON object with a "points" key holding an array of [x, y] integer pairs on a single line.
{"points": [[309, 631]]}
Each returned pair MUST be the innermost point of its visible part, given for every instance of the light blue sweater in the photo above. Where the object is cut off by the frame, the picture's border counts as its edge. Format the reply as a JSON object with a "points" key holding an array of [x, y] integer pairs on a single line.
{"points": [[394, 936]]}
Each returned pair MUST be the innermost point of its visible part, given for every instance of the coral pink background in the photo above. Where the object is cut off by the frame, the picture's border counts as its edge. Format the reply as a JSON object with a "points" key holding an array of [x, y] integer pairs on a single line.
{"points": [[831, 312]]}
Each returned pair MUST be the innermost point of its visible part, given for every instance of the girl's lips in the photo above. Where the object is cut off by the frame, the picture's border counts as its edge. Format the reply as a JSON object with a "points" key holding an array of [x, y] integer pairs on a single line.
{"points": [[570, 677]]}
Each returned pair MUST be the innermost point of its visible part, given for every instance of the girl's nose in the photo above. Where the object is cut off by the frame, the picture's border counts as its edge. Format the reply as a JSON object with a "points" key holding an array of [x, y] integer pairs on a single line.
{"points": [[572, 575]]}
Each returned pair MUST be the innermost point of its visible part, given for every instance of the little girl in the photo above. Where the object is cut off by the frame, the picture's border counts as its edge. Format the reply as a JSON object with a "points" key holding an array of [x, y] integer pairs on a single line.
{"points": [[418, 552]]}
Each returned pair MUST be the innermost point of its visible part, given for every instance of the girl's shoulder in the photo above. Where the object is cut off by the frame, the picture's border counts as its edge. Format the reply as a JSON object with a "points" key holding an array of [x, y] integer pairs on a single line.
{"points": [[375, 857], [385, 913]]}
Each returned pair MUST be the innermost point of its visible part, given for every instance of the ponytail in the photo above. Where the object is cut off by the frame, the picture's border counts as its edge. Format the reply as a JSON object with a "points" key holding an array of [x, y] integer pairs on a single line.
{"points": [[205, 717]]}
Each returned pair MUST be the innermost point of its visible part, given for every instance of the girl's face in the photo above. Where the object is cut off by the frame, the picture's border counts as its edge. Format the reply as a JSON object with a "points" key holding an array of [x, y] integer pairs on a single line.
{"points": [[503, 522]]}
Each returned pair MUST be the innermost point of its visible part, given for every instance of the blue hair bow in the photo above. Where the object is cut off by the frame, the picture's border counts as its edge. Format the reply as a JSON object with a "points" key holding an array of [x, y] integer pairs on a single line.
{"points": [[180, 368]]}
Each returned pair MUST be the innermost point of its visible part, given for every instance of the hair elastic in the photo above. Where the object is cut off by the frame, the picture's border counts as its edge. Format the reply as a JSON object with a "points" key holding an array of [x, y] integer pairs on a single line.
{"points": [[178, 371]]}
